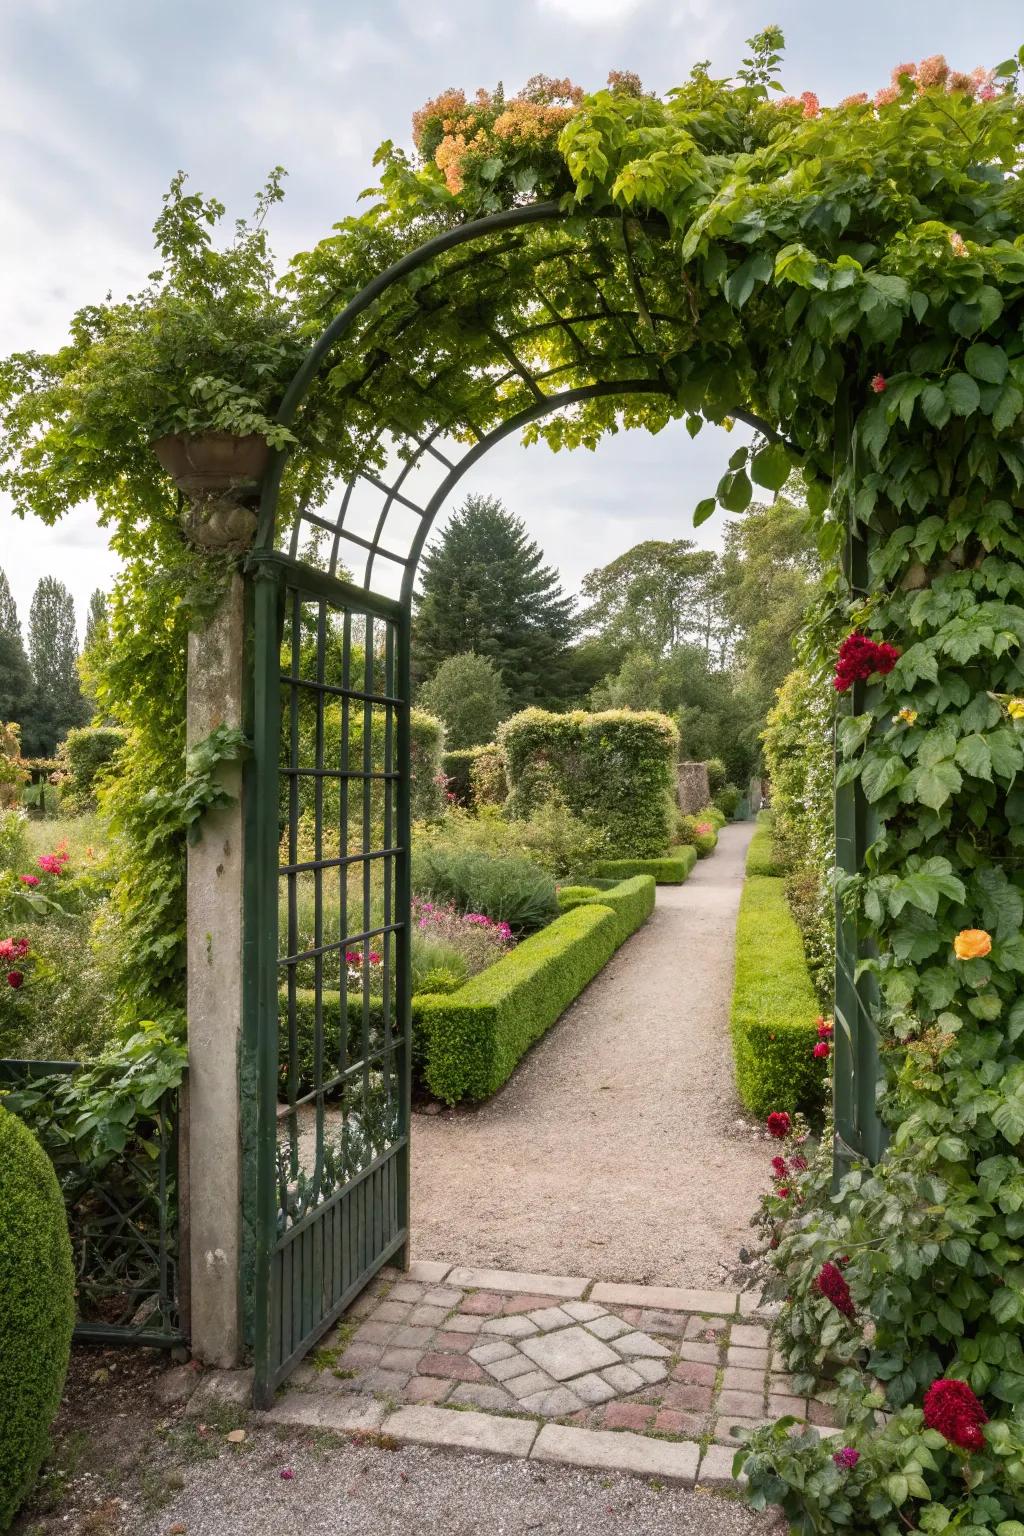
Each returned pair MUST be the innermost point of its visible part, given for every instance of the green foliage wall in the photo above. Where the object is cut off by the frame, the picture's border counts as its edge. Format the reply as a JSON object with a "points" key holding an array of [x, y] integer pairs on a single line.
{"points": [[85, 752], [799, 758], [37, 1309], [614, 769]]}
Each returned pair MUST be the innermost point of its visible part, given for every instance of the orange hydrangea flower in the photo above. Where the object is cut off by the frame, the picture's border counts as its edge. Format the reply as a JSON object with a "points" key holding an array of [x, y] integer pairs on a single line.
{"points": [[972, 944]]}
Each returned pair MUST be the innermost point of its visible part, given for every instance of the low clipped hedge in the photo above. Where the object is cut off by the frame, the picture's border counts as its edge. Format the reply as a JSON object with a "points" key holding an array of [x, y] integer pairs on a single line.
{"points": [[570, 896], [37, 1309], [774, 1007], [705, 844], [473, 1039], [631, 900], [761, 855], [672, 869]]}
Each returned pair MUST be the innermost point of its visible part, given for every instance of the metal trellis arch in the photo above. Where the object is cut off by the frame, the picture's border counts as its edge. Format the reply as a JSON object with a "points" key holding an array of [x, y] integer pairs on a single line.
{"points": [[326, 1071]]}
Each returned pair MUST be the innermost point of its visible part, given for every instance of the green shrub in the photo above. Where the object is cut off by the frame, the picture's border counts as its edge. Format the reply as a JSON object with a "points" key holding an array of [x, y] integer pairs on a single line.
{"points": [[717, 818], [631, 900], [487, 777], [616, 770], [774, 1008], [761, 855], [700, 832], [570, 896], [727, 800], [509, 890], [673, 869], [473, 1039], [552, 837], [84, 755], [13, 837], [305, 1034], [717, 774], [37, 1309], [456, 768]]}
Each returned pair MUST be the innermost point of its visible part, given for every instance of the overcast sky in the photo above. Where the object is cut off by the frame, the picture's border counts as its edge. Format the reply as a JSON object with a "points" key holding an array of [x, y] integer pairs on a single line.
{"points": [[101, 101]]}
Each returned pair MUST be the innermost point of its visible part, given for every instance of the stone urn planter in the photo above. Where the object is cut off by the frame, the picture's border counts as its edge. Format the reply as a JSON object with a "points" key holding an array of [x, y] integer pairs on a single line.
{"points": [[220, 475]]}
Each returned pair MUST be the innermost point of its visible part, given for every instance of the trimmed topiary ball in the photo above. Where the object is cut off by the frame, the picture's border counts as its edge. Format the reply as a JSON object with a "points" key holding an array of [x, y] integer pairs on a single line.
{"points": [[37, 1309]]}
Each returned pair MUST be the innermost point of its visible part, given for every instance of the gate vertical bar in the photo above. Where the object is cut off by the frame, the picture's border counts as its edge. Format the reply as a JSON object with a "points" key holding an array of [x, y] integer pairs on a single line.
{"points": [[259, 1076], [403, 915]]}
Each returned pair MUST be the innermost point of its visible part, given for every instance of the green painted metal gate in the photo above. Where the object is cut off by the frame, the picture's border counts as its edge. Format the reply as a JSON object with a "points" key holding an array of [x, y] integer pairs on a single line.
{"points": [[326, 1071]]}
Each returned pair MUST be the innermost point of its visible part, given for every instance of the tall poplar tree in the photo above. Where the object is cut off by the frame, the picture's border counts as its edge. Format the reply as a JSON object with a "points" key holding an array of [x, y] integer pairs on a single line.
{"points": [[57, 702], [15, 674], [486, 589]]}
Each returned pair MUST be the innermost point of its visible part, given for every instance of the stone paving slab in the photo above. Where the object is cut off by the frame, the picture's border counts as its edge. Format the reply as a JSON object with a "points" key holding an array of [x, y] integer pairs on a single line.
{"points": [[668, 1298], [716, 1468], [343, 1412], [466, 1431], [568, 1286], [615, 1452]]}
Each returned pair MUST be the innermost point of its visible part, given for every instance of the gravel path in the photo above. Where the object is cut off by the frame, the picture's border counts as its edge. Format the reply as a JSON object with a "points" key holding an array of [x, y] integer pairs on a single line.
{"points": [[361, 1490], [614, 1151]]}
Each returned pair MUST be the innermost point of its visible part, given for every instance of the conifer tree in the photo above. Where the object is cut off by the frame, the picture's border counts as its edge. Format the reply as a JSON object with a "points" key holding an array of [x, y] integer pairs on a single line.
{"points": [[57, 702], [15, 674]]}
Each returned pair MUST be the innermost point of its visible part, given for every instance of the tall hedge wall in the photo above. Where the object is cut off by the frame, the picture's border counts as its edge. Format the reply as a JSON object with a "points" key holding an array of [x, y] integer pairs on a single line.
{"points": [[615, 770]]}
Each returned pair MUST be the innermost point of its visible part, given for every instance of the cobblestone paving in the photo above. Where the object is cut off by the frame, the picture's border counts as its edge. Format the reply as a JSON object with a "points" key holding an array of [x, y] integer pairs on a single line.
{"points": [[687, 1371]]}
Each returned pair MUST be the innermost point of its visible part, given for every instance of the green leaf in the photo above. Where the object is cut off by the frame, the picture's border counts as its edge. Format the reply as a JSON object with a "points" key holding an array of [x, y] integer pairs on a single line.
{"points": [[703, 510], [963, 394], [881, 775], [935, 405], [933, 786], [975, 757], [1008, 407], [771, 467], [734, 491], [986, 362]]}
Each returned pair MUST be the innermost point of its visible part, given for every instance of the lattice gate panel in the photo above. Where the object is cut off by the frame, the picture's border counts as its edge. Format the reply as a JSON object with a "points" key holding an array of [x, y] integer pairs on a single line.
{"points": [[330, 907]]}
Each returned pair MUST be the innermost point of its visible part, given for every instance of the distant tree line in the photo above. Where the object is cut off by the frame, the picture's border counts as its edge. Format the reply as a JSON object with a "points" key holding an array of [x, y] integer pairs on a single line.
{"points": [[45, 685], [705, 637]]}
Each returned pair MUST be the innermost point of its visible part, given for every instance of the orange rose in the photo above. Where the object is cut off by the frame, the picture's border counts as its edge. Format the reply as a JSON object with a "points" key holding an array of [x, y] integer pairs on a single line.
{"points": [[972, 944]]}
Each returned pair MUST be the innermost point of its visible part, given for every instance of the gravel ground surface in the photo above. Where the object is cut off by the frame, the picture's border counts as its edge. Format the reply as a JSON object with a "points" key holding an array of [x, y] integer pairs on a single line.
{"points": [[615, 1150], [342, 1490]]}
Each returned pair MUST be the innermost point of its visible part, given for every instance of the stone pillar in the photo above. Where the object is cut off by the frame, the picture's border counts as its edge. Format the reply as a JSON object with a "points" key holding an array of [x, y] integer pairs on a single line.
{"points": [[216, 696]]}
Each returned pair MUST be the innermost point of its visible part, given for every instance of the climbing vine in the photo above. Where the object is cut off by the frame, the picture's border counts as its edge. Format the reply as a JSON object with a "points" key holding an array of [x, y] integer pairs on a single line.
{"points": [[850, 281]]}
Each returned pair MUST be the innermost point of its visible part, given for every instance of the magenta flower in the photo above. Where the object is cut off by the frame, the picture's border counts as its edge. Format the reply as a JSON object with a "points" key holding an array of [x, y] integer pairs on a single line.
{"points": [[847, 1457], [29, 879]]}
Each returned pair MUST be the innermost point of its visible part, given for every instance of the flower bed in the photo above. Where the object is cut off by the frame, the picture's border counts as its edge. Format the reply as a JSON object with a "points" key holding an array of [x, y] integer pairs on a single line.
{"points": [[774, 1007]]}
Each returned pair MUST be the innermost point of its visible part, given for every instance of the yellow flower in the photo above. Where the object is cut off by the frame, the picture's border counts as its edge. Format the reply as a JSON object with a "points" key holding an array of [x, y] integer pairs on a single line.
{"points": [[905, 717], [1015, 709], [972, 944]]}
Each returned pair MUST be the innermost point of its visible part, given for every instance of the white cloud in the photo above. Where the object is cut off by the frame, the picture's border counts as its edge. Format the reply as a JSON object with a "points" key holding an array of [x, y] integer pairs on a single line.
{"points": [[593, 13]]}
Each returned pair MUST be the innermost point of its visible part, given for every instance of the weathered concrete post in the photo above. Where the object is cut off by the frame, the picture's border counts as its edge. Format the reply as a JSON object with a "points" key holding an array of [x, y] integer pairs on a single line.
{"points": [[216, 696]]}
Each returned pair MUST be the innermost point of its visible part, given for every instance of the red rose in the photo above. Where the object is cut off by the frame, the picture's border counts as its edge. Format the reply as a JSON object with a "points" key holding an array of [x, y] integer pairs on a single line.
{"points": [[859, 658], [952, 1408], [778, 1124], [830, 1283]]}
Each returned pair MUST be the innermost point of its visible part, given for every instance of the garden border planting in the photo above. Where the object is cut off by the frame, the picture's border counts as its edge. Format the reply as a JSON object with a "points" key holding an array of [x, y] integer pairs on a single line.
{"points": [[473, 1039], [762, 858], [774, 1007]]}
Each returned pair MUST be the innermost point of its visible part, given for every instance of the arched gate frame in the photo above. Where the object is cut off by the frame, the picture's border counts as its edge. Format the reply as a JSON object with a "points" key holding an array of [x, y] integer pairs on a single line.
{"points": [[326, 1059]]}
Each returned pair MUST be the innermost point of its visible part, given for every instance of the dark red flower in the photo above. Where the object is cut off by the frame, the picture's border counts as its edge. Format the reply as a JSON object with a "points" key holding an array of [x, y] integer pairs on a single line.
{"points": [[859, 658], [15, 979], [783, 1191], [952, 1408], [879, 383], [830, 1283], [799, 1162], [847, 1457], [825, 1030], [821, 1049], [779, 1167], [778, 1124]]}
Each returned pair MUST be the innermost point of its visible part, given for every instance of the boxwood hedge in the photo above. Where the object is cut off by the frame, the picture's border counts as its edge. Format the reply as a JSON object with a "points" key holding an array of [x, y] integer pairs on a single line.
{"points": [[761, 856], [672, 869], [774, 1007], [473, 1039], [37, 1309]]}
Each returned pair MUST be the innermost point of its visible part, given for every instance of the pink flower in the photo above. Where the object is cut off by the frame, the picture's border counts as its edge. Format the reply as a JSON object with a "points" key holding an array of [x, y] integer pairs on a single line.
{"points": [[879, 383], [14, 949], [52, 863], [15, 979], [957, 244], [987, 93], [287, 1474], [858, 100], [847, 1457], [903, 69], [375, 959], [29, 879], [932, 71], [887, 95], [812, 106], [821, 1050], [825, 1028]]}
